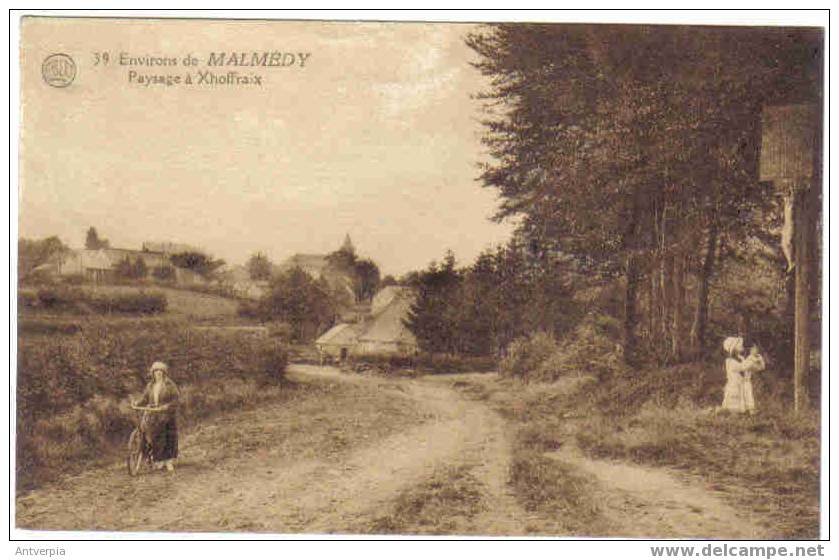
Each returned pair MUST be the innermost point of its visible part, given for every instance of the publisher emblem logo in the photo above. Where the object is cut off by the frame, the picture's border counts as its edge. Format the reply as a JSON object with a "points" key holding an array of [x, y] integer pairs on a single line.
{"points": [[58, 70]]}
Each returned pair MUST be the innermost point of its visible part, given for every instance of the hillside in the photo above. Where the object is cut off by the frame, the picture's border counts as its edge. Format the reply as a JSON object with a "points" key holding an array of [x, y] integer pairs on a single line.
{"points": [[181, 304], [184, 303]]}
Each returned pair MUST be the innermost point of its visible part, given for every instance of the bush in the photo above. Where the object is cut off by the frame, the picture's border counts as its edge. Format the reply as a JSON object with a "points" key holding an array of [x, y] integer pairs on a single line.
{"points": [[273, 360], [62, 378], [38, 278], [34, 326], [525, 355], [27, 299], [59, 297], [283, 331], [454, 364], [71, 299], [139, 302], [73, 279], [591, 349], [163, 273]]}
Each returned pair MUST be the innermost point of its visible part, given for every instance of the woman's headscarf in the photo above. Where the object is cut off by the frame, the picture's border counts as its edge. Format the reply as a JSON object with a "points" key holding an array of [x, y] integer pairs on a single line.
{"points": [[159, 366], [732, 344]]}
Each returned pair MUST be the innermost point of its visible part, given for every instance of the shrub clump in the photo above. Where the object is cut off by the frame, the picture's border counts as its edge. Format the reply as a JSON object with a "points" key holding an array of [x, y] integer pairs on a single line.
{"points": [[273, 360], [527, 354], [144, 303], [59, 297], [72, 299], [590, 349]]}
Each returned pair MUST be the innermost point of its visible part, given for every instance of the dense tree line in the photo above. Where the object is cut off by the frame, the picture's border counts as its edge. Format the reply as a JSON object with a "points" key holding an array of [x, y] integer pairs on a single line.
{"points": [[479, 309], [634, 149]]}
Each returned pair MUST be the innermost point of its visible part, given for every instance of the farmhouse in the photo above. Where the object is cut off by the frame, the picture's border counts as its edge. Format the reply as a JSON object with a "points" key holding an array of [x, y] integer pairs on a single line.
{"points": [[382, 332], [385, 332], [100, 265], [338, 341], [94, 265], [237, 280]]}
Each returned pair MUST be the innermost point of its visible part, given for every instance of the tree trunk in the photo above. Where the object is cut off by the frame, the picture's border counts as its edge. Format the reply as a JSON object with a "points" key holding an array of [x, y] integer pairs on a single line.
{"points": [[700, 319], [630, 245], [630, 343], [678, 290], [788, 357], [651, 312], [666, 305]]}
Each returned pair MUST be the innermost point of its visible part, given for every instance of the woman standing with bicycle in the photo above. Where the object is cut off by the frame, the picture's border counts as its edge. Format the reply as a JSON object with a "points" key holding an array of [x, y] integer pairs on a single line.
{"points": [[161, 424]]}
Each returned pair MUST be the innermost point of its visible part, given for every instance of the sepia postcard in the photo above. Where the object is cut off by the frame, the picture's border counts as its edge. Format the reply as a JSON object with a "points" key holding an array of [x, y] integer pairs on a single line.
{"points": [[391, 278]]}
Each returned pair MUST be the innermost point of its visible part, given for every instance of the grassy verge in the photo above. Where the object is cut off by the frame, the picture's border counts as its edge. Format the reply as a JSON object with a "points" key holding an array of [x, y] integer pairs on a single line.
{"points": [[767, 464], [555, 490], [96, 432], [442, 505]]}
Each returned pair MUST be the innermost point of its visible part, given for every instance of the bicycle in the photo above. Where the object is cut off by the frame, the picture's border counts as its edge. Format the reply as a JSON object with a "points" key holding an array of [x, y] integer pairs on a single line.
{"points": [[139, 451]]}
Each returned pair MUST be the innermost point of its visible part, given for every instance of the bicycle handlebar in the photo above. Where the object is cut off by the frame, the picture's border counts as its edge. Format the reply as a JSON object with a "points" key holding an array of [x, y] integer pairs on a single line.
{"points": [[148, 408]]}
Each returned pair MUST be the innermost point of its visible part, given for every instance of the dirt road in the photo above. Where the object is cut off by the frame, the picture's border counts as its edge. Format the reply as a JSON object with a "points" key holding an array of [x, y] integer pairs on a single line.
{"points": [[643, 502], [231, 477], [353, 451]]}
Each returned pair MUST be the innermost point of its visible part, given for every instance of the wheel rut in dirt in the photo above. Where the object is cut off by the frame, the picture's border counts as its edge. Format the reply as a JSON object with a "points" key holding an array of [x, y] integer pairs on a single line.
{"points": [[282, 489]]}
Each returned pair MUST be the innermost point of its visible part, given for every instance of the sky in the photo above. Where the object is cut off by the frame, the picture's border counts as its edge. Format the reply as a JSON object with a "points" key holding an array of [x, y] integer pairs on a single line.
{"points": [[376, 135]]}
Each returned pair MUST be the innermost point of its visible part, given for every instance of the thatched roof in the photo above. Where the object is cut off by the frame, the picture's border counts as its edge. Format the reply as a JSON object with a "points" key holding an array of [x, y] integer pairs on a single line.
{"points": [[386, 325], [342, 334]]}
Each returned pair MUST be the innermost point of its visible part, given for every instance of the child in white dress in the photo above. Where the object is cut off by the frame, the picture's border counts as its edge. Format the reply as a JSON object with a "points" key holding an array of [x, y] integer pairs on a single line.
{"points": [[739, 394]]}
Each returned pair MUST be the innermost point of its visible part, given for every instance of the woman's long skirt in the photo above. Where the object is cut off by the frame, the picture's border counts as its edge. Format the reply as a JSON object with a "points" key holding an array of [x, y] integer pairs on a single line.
{"points": [[164, 438]]}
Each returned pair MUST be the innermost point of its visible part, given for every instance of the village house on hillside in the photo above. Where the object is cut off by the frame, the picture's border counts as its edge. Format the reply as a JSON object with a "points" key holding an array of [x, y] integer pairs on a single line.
{"points": [[101, 265], [237, 280], [381, 332], [319, 267]]}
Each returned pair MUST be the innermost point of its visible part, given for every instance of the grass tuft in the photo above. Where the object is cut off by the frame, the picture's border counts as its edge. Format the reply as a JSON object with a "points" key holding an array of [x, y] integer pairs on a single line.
{"points": [[442, 505]]}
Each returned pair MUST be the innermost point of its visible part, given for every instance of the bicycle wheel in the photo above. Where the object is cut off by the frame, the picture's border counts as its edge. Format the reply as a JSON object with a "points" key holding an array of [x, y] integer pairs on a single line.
{"points": [[136, 455]]}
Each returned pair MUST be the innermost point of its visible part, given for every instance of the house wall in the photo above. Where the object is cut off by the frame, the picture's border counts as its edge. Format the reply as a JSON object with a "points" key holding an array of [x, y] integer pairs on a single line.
{"points": [[334, 350], [98, 276], [368, 347], [70, 265]]}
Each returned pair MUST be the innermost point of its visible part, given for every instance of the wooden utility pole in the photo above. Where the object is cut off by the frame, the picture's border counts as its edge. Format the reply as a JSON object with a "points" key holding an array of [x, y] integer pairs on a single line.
{"points": [[801, 257], [788, 159]]}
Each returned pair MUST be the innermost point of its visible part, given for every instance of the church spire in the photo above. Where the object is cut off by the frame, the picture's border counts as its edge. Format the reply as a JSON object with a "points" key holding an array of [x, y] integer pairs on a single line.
{"points": [[348, 246]]}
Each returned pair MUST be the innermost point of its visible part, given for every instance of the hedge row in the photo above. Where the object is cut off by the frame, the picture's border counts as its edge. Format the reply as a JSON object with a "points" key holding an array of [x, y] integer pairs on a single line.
{"points": [[74, 299], [72, 391], [107, 360]]}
